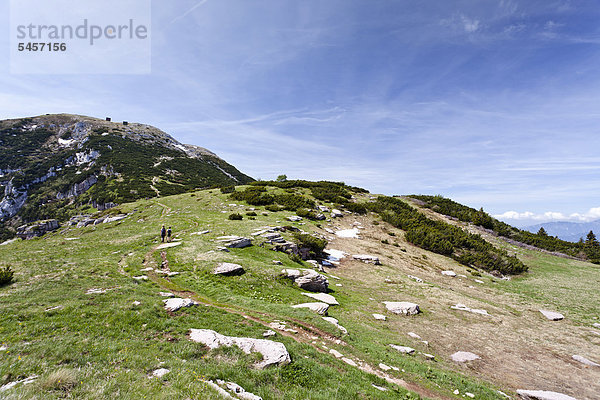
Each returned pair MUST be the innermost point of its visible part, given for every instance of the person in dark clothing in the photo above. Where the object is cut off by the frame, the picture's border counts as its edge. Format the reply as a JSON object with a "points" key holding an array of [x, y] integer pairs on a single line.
{"points": [[163, 233], [169, 234]]}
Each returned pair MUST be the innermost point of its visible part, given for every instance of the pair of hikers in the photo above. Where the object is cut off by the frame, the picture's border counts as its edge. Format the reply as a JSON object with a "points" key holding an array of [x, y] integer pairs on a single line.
{"points": [[165, 232]]}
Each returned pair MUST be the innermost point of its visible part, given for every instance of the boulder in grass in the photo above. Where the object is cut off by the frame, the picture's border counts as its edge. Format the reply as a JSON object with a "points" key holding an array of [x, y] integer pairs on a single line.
{"points": [[449, 273], [323, 297], [228, 269], [402, 307], [403, 349], [308, 279], [552, 315], [464, 356], [274, 353], [175, 303], [319, 308], [542, 395]]}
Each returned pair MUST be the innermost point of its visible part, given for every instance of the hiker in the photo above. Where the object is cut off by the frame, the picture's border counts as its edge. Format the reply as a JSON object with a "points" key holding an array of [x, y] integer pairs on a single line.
{"points": [[163, 232], [169, 234]]}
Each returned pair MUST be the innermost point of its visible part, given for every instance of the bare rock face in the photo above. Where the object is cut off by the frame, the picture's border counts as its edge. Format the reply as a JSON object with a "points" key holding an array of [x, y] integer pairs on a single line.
{"points": [[235, 242], [552, 315], [543, 395], [37, 229], [274, 353], [402, 307], [464, 356], [228, 269], [308, 279], [319, 308]]}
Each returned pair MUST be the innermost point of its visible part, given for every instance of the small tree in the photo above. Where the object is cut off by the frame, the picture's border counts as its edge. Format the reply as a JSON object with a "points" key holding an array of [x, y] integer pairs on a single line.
{"points": [[282, 178], [591, 240], [542, 232]]}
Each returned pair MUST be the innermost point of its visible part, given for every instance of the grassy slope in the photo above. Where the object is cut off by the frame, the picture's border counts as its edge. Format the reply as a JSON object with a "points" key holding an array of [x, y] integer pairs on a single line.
{"points": [[112, 345]]}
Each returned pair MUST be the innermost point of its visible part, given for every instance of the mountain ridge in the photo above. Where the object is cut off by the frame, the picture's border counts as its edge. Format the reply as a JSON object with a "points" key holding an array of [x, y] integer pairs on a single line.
{"points": [[52, 162], [566, 230]]}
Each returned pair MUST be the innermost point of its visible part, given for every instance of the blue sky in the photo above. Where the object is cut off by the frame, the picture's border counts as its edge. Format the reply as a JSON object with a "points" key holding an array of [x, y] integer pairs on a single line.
{"points": [[494, 104]]}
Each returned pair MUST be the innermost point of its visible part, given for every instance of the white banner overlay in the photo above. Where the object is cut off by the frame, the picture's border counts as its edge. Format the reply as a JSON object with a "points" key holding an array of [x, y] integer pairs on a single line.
{"points": [[80, 36]]}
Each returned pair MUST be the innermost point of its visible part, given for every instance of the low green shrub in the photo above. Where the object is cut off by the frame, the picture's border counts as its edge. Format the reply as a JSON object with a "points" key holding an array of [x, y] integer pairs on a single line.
{"points": [[6, 275], [235, 217], [251, 214]]}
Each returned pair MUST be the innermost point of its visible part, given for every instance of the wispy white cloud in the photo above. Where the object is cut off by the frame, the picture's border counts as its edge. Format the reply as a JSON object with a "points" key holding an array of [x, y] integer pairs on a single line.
{"points": [[188, 11], [550, 216]]}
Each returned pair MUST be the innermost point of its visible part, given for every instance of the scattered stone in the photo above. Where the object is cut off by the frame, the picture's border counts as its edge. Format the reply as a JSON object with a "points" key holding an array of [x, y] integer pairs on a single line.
{"points": [[239, 391], [323, 208], [384, 367], [339, 284], [403, 349], [336, 353], [147, 269], [335, 213], [585, 361], [336, 323], [200, 233], [402, 307], [379, 387], [319, 308], [462, 307], [348, 233], [166, 294], [50, 309], [367, 259], [167, 245], [349, 361], [471, 395], [329, 230], [308, 279], [3, 347], [542, 395], [449, 273], [96, 291], [228, 269], [136, 303], [269, 333], [379, 317], [274, 353], [323, 297], [428, 356], [159, 373], [176, 303], [277, 262], [479, 281], [596, 325], [413, 335], [294, 218], [464, 356], [11, 385], [223, 249], [552, 315], [141, 278], [416, 278]]}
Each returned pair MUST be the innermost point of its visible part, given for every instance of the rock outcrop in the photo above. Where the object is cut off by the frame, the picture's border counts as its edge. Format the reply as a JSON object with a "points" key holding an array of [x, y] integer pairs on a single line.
{"points": [[228, 269], [542, 395], [308, 279]]}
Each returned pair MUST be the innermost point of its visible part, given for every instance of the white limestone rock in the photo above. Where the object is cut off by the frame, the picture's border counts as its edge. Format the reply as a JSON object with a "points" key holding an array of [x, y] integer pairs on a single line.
{"points": [[585, 361], [464, 356], [174, 304], [308, 279], [402, 307], [542, 395], [349, 361], [379, 317], [228, 269], [159, 373], [319, 308], [415, 278], [403, 349], [449, 273], [462, 307], [336, 323], [552, 315], [323, 298], [335, 353], [274, 353]]}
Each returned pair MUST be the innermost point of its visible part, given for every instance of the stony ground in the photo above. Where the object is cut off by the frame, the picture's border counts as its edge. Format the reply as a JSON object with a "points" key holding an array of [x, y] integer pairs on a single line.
{"points": [[86, 316]]}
